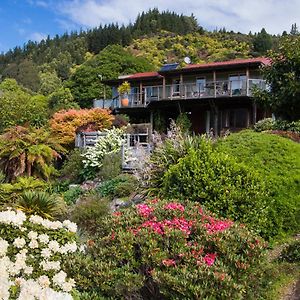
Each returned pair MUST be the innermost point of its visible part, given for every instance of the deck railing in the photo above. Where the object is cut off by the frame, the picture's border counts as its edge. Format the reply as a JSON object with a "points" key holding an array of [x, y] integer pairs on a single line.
{"points": [[211, 89]]}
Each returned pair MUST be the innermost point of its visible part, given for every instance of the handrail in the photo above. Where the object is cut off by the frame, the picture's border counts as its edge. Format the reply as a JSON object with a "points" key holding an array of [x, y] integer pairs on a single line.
{"points": [[192, 90]]}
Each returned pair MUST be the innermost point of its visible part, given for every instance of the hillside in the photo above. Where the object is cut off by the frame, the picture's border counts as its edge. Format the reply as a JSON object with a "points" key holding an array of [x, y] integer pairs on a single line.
{"points": [[159, 37]]}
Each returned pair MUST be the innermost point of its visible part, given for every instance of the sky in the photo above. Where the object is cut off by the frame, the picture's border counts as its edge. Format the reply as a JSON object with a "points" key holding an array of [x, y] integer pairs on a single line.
{"points": [[23, 20]]}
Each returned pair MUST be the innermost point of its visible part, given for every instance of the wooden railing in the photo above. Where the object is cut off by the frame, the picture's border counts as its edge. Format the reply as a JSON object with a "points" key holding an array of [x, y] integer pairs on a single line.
{"points": [[185, 91]]}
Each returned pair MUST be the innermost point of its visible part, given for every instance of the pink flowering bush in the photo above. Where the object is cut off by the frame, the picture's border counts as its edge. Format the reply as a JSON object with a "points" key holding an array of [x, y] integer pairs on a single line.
{"points": [[170, 250]]}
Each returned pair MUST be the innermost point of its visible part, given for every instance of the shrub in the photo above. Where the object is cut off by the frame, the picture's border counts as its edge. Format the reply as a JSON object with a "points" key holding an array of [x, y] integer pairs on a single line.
{"points": [[167, 151], [89, 212], [120, 186], [9, 193], [264, 124], [111, 166], [64, 123], [39, 203], [277, 160], [291, 253], [215, 180], [109, 144], [72, 194], [28, 151], [32, 250], [164, 250], [72, 167]]}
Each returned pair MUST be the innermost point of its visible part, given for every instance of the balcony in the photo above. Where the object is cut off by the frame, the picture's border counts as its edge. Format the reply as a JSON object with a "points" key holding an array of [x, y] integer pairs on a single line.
{"points": [[187, 91]]}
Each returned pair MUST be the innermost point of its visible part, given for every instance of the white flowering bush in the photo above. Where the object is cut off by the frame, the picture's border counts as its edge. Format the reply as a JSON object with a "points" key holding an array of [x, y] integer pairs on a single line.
{"points": [[31, 252], [110, 143]]}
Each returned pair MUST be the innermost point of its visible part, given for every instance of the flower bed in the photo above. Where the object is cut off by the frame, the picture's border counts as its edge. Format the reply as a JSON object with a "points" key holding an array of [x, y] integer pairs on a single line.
{"points": [[31, 252], [167, 250]]}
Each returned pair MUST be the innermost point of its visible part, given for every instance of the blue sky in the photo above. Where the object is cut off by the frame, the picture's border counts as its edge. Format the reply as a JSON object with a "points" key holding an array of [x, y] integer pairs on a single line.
{"points": [[21, 20]]}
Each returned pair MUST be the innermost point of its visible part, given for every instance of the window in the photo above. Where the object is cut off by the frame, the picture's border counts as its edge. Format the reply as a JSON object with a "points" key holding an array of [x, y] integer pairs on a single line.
{"points": [[201, 82], [176, 87], [237, 83]]}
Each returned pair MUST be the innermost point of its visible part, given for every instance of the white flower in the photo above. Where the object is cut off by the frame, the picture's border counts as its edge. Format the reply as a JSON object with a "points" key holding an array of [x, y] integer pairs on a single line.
{"points": [[43, 238], [3, 247], [72, 227], [19, 242], [28, 270], [54, 246], [44, 281], [50, 265], [60, 278], [33, 244], [46, 253], [33, 235]]}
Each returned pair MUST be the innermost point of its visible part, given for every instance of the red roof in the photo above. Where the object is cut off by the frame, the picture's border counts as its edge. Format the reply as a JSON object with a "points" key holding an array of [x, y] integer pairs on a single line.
{"points": [[235, 62], [142, 75]]}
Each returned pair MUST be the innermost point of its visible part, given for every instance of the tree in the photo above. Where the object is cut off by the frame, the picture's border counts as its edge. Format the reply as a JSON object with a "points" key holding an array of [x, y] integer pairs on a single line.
{"points": [[65, 123], [28, 151], [49, 82], [85, 84], [61, 99], [283, 77], [18, 106], [262, 42]]}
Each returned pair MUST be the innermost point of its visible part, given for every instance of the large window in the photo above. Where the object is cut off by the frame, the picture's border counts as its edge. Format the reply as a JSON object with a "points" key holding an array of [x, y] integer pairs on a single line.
{"points": [[200, 82], [237, 83]]}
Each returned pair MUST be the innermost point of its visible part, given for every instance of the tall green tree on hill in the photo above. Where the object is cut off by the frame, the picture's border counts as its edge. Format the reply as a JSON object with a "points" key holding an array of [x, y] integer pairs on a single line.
{"points": [[283, 77], [85, 83], [262, 42]]}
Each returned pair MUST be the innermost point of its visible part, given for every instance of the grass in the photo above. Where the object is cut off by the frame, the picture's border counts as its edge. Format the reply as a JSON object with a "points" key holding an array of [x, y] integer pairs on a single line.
{"points": [[277, 160]]}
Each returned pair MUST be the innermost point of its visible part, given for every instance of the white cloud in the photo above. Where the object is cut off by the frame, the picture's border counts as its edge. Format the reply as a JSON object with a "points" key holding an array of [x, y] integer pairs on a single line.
{"points": [[37, 36], [242, 15]]}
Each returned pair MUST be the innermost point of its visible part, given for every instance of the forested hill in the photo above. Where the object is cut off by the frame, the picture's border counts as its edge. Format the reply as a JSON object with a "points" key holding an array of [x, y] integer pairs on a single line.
{"points": [[75, 60]]}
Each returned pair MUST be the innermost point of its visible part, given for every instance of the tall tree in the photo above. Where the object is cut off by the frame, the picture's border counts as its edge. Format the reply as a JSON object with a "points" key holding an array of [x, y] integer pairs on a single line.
{"points": [[283, 77]]}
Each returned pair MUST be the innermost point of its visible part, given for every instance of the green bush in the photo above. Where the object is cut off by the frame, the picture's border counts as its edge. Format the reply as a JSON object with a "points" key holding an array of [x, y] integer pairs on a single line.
{"points": [[120, 186], [72, 194], [89, 212], [277, 160], [270, 124], [167, 151], [291, 253], [111, 166], [40, 203], [72, 169], [264, 124], [225, 187], [162, 250], [10, 192]]}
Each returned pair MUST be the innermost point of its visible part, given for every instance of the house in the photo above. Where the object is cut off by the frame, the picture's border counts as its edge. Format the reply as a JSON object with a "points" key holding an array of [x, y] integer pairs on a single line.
{"points": [[216, 96]]}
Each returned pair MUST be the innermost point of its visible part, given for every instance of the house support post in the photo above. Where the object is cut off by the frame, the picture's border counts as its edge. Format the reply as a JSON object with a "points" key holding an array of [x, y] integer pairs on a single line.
{"points": [[216, 121], [151, 121], [207, 124], [164, 88], [181, 89], [247, 81], [254, 107], [215, 83], [140, 96]]}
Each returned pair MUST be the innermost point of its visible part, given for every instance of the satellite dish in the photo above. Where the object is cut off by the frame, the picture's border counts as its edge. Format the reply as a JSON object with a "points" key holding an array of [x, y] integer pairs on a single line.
{"points": [[187, 60]]}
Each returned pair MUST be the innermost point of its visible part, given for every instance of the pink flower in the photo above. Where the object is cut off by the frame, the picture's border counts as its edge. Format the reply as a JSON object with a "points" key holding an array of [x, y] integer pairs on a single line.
{"points": [[144, 210], [174, 206], [169, 262], [180, 224], [155, 226], [217, 225], [209, 258]]}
